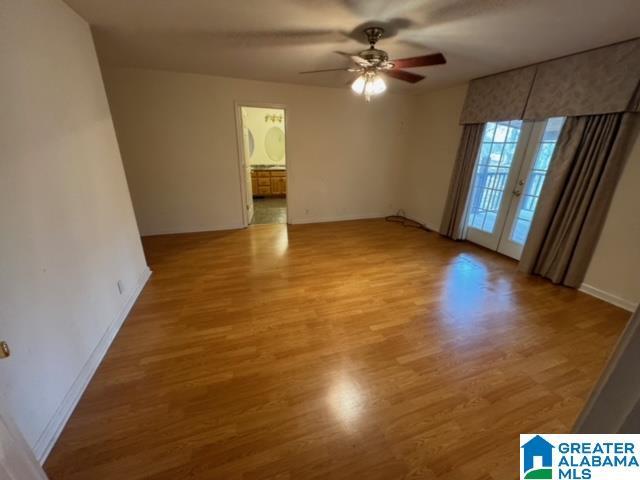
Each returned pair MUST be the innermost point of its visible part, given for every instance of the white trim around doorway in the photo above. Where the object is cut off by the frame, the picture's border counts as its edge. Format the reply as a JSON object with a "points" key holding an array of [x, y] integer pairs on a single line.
{"points": [[241, 170]]}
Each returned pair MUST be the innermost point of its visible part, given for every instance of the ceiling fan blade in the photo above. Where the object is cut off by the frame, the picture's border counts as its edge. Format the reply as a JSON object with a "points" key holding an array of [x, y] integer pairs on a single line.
{"points": [[424, 61], [404, 75], [327, 70]]}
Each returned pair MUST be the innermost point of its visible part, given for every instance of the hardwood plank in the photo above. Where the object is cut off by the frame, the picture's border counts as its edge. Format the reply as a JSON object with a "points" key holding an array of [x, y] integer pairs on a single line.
{"points": [[341, 350]]}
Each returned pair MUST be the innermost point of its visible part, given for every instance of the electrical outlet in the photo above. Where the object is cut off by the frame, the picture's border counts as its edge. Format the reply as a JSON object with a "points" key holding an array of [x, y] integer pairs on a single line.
{"points": [[120, 287]]}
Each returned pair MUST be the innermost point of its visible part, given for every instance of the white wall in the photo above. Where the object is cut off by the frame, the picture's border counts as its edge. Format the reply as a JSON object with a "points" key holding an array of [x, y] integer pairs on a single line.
{"points": [[435, 135], [254, 120], [177, 134], [614, 272], [68, 229]]}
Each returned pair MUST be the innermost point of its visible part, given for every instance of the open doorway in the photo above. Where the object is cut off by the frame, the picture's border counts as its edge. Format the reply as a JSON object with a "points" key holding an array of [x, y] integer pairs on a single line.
{"points": [[263, 164]]}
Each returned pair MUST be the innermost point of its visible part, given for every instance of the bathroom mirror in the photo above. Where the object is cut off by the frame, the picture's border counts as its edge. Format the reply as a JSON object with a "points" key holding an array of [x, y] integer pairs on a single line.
{"points": [[274, 144]]}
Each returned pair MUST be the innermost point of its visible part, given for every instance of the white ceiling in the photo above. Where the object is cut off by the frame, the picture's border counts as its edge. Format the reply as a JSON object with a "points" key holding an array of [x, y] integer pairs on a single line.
{"points": [[275, 39]]}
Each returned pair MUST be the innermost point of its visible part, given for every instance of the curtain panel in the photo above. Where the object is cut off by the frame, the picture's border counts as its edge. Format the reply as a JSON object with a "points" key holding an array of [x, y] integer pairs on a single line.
{"points": [[603, 80], [452, 225], [587, 163]]}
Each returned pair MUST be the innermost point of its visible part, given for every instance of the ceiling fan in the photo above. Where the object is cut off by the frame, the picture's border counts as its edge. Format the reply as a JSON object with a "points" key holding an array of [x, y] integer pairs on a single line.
{"points": [[371, 62]]}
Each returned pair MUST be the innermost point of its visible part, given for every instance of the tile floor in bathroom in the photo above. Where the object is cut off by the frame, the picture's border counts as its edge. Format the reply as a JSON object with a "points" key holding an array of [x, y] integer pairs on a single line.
{"points": [[269, 210]]}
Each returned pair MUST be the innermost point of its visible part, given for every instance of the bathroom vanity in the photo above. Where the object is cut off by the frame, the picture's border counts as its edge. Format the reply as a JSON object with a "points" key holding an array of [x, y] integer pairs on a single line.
{"points": [[269, 181]]}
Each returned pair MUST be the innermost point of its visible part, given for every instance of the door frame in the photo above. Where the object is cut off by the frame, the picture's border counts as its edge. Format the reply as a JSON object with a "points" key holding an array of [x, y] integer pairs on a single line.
{"points": [[18, 462], [241, 153]]}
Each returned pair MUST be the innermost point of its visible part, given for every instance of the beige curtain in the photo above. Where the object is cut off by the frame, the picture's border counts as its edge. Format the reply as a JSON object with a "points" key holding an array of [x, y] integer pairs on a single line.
{"points": [[452, 225], [574, 201], [614, 405]]}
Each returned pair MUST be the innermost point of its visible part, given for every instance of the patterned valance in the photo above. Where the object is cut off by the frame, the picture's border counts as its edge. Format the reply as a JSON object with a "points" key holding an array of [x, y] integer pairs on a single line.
{"points": [[498, 97], [595, 82], [604, 80]]}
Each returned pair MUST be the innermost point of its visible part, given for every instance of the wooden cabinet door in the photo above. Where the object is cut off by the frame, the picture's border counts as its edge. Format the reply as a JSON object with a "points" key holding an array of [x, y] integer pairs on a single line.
{"points": [[254, 185], [276, 186]]}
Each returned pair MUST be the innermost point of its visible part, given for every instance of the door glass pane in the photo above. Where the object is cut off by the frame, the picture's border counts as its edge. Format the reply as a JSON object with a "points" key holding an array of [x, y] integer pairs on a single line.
{"points": [[533, 187], [492, 169]]}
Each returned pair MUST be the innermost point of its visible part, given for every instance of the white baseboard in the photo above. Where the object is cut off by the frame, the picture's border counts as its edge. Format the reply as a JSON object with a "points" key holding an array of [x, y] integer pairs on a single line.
{"points": [[608, 297], [336, 218], [52, 431]]}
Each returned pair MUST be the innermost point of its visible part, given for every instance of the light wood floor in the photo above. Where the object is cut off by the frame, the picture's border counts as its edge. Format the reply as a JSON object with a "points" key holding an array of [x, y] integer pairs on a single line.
{"points": [[354, 350]]}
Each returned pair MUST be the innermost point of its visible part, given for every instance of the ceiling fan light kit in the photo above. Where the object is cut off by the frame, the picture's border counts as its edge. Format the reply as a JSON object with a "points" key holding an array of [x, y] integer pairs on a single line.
{"points": [[372, 63], [369, 84]]}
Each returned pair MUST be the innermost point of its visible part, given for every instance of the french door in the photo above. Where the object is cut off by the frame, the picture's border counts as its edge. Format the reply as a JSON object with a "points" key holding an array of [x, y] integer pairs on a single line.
{"points": [[510, 170]]}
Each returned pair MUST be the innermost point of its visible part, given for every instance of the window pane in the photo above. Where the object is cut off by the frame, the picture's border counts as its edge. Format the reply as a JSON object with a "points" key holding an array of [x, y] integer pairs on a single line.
{"points": [[508, 154], [521, 231], [533, 187], [490, 222], [513, 134], [552, 130], [543, 158], [492, 170], [501, 133], [503, 174], [489, 130], [485, 153], [476, 219], [510, 151], [496, 153]]}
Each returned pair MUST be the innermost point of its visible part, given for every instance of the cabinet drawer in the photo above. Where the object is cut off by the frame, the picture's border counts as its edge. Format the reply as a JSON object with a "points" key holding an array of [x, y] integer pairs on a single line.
{"points": [[262, 173], [278, 173], [264, 190], [264, 181]]}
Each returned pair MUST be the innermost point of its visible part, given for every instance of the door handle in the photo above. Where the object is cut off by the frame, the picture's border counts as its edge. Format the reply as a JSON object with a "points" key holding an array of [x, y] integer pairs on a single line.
{"points": [[4, 350]]}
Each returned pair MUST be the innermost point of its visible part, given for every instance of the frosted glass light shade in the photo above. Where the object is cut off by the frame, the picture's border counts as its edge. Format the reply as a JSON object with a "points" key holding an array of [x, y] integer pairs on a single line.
{"points": [[375, 86], [359, 84], [369, 84]]}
